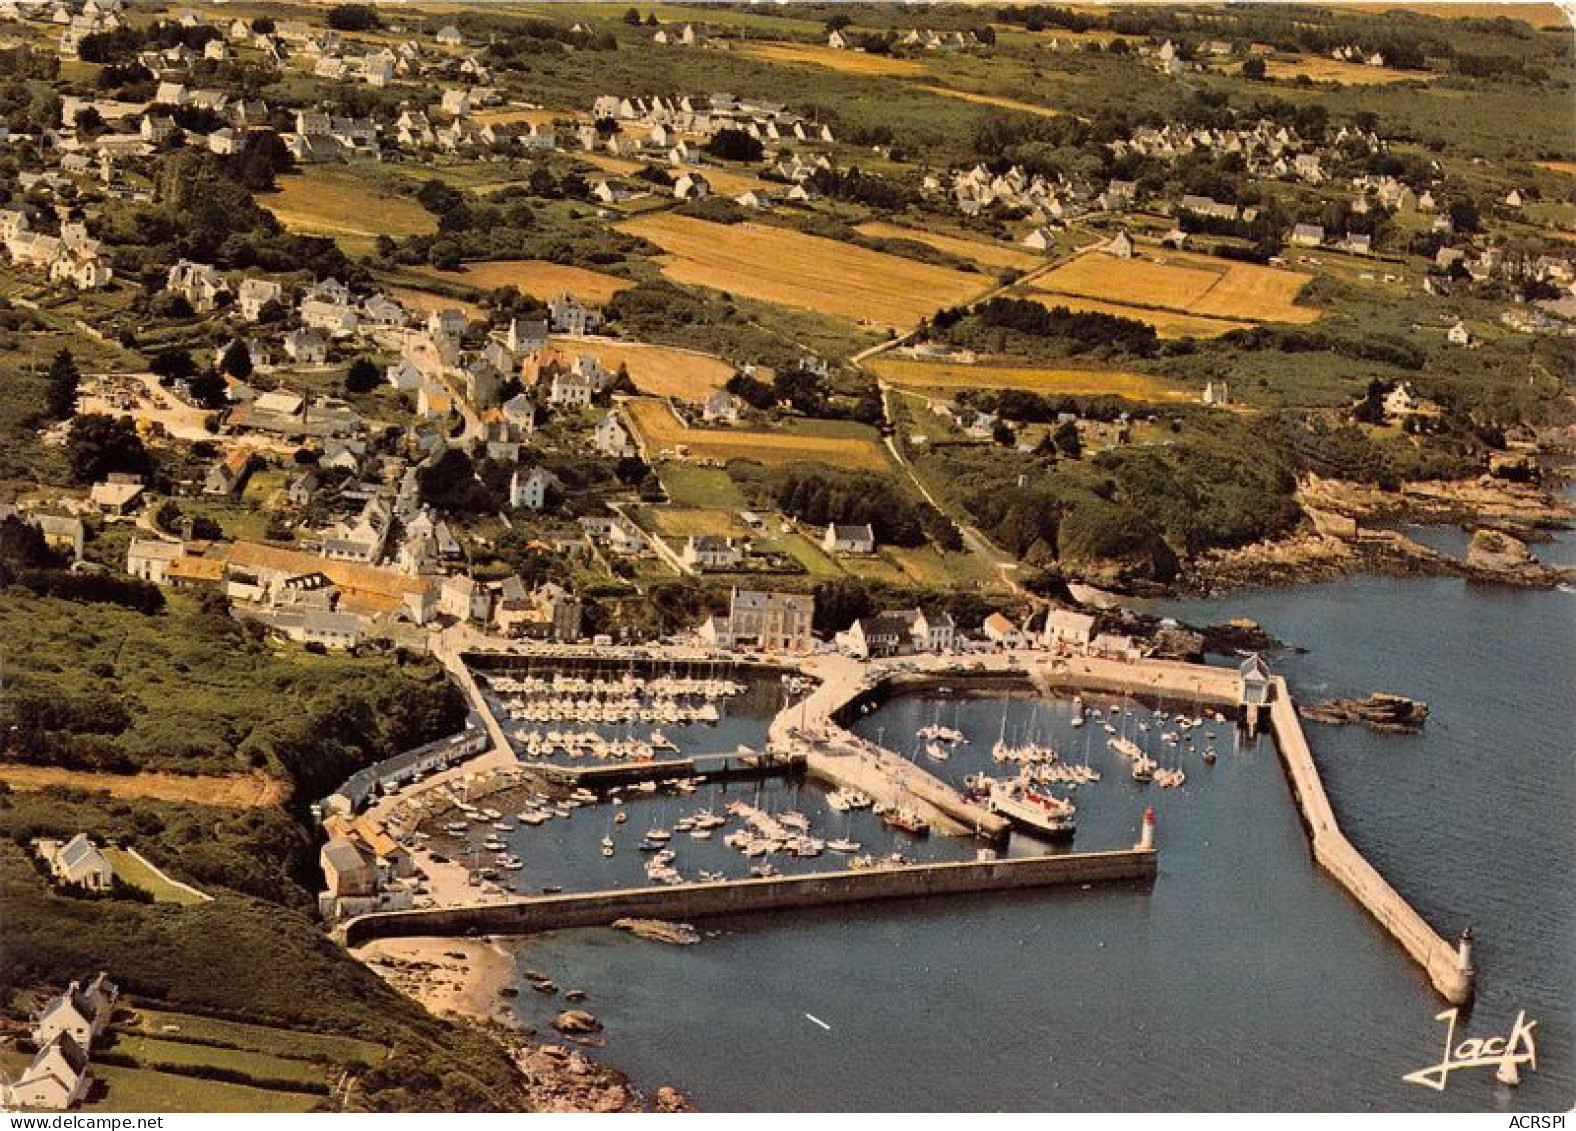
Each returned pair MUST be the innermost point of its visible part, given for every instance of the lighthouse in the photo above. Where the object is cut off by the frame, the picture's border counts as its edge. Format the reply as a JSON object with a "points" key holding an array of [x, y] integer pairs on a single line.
{"points": [[1464, 954], [1146, 831]]}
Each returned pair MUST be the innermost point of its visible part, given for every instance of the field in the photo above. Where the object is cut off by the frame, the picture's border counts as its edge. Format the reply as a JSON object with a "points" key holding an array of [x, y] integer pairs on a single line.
{"points": [[658, 371], [1565, 168], [819, 55], [1321, 69], [533, 277], [661, 431], [329, 201], [1184, 283], [213, 789], [134, 872], [977, 251], [793, 269], [143, 1089], [675, 524], [260, 1038], [416, 299], [989, 100], [155, 1052], [691, 486], [941, 375]]}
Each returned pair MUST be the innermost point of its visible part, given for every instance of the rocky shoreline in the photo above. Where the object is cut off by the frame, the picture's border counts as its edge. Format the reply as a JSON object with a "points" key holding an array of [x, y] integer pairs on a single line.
{"points": [[472, 980]]}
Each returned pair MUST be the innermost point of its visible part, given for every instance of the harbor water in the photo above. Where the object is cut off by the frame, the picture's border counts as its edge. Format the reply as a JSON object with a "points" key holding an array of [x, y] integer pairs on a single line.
{"points": [[1245, 979]]}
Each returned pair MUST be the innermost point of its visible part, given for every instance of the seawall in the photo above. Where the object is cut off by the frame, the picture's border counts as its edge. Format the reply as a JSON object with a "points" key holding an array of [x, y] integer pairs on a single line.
{"points": [[736, 897], [1451, 976]]}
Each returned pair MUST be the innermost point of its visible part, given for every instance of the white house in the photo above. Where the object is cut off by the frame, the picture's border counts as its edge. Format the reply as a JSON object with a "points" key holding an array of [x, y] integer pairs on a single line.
{"points": [[841, 538], [529, 488], [720, 407], [999, 630], [1065, 629], [78, 861], [254, 294], [82, 1013], [55, 1080], [709, 551], [612, 438]]}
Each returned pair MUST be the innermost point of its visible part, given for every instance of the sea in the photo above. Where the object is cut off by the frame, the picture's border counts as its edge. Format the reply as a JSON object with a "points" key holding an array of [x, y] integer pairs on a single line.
{"points": [[1243, 979]]}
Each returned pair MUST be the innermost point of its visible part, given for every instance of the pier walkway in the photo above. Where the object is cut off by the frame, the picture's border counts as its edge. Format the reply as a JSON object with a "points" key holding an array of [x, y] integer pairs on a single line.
{"points": [[1449, 969], [777, 893]]}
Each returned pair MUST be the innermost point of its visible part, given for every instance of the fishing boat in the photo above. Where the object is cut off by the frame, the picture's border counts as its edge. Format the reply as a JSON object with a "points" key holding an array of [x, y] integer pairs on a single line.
{"points": [[1036, 810], [906, 819], [1209, 756], [843, 844], [607, 846], [620, 817], [936, 751], [1144, 768]]}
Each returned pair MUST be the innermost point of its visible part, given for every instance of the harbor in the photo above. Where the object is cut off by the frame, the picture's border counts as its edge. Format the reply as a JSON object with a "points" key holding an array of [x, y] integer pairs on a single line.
{"points": [[1018, 803]]}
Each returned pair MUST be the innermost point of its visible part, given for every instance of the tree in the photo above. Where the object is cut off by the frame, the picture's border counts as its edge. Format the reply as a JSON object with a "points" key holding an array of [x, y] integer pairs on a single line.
{"points": [[208, 390], [362, 376], [237, 360], [173, 365], [838, 22], [632, 17], [735, 145], [64, 377], [1068, 441], [97, 445], [1253, 68], [353, 17]]}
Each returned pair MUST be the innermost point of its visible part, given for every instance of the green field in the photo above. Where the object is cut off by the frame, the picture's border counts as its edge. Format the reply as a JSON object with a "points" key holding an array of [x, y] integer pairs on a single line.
{"points": [[134, 872], [152, 1052], [265, 1039], [141, 1089], [691, 486]]}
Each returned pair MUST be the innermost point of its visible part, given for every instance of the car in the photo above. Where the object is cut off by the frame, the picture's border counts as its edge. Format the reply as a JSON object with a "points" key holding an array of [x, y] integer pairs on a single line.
{"points": [[439, 858]]}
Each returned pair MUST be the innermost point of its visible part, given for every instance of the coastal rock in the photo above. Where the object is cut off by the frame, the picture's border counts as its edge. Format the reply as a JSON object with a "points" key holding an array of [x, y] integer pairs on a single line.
{"points": [[577, 1021], [1394, 714], [670, 1100], [1497, 556], [659, 930]]}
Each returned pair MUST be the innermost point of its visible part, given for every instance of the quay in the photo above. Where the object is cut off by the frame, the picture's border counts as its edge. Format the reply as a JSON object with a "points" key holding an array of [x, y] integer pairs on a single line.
{"points": [[736, 897]]}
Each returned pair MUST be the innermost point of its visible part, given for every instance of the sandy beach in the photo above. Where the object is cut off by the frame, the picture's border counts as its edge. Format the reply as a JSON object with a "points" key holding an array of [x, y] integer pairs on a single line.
{"points": [[446, 975]]}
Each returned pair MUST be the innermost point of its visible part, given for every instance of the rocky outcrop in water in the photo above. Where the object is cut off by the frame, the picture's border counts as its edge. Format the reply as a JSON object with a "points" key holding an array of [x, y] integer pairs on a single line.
{"points": [[1394, 714], [577, 1021], [659, 930], [1498, 556]]}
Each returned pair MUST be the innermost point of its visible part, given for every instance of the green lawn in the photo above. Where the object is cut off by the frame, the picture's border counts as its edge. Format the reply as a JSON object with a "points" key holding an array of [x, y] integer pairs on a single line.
{"points": [[691, 486], [260, 1038], [139, 875], [153, 1052], [141, 1089]]}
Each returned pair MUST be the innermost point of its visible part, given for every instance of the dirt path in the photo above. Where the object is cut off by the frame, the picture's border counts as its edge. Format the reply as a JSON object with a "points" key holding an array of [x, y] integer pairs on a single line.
{"points": [[242, 791]]}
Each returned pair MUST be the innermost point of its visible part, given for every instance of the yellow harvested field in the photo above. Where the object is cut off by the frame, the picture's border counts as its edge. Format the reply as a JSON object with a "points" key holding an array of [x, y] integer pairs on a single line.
{"points": [[507, 115], [1167, 323], [1568, 168], [619, 166], [238, 790], [660, 371], [681, 522], [1538, 15], [1321, 69], [332, 201], [783, 266], [989, 100], [661, 431], [849, 62], [428, 301], [533, 277], [1072, 382], [1184, 283], [983, 253]]}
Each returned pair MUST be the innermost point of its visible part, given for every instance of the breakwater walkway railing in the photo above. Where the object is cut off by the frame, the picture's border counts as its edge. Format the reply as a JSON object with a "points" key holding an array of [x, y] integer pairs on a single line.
{"points": [[776, 893], [1448, 967]]}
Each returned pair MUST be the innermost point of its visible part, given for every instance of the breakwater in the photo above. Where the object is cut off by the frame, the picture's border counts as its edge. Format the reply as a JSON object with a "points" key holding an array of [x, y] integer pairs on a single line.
{"points": [[737, 897], [1448, 967]]}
